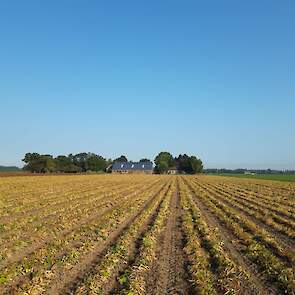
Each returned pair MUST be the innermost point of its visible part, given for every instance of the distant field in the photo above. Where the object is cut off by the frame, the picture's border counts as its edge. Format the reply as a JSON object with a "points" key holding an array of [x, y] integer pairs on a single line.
{"points": [[13, 173], [280, 177]]}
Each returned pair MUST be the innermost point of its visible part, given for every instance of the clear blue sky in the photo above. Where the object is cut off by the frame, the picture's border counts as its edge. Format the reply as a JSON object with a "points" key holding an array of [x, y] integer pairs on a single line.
{"points": [[210, 78]]}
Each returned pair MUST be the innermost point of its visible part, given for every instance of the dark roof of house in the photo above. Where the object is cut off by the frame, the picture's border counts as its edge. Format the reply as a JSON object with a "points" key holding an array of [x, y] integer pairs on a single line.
{"points": [[137, 166]]}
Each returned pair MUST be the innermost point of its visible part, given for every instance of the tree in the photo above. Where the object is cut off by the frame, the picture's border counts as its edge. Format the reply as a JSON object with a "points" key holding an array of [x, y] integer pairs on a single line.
{"points": [[196, 164], [162, 167], [65, 164], [161, 158], [183, 163], [95, 163], [188, 164], [121, 159], [39, 163], [31, 162], [29, 157], [47, 163], [145, 160], [80, 160], [165, 157]]}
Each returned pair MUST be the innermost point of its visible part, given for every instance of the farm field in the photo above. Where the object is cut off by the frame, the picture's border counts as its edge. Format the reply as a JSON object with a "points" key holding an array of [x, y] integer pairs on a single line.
{"points": [[279, 177], [137, 234]]}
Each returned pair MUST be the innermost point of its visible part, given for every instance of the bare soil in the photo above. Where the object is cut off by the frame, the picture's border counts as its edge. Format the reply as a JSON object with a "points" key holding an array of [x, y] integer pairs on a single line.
{"points": [[169, 274]]}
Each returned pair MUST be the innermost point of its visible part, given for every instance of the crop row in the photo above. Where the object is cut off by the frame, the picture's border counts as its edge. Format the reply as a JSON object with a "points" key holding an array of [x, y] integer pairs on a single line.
{"points": [[27, 205], [274, 198], [56, 221], [16, 201], [104, 274], [66, 249], [259, 246], [252, 211], [211, 267], [283, 215], [133, 280]]}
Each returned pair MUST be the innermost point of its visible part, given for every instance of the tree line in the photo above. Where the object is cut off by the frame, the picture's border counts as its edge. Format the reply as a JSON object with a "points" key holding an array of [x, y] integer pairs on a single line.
{"points": [[182, 164], [78, 163], [83, 162]]}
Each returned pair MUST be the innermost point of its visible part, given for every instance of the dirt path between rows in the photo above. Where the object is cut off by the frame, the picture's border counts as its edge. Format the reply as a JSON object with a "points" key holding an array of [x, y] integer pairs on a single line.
{"points": [[169, 274]]}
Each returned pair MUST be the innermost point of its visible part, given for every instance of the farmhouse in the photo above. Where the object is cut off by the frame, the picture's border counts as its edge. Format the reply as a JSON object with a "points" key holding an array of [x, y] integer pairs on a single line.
{"points": [[133, 167], [173, 170]]}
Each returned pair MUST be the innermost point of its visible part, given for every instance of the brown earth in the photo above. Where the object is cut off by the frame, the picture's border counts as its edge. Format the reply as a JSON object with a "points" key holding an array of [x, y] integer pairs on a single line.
{"points": [[169, 274]]}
